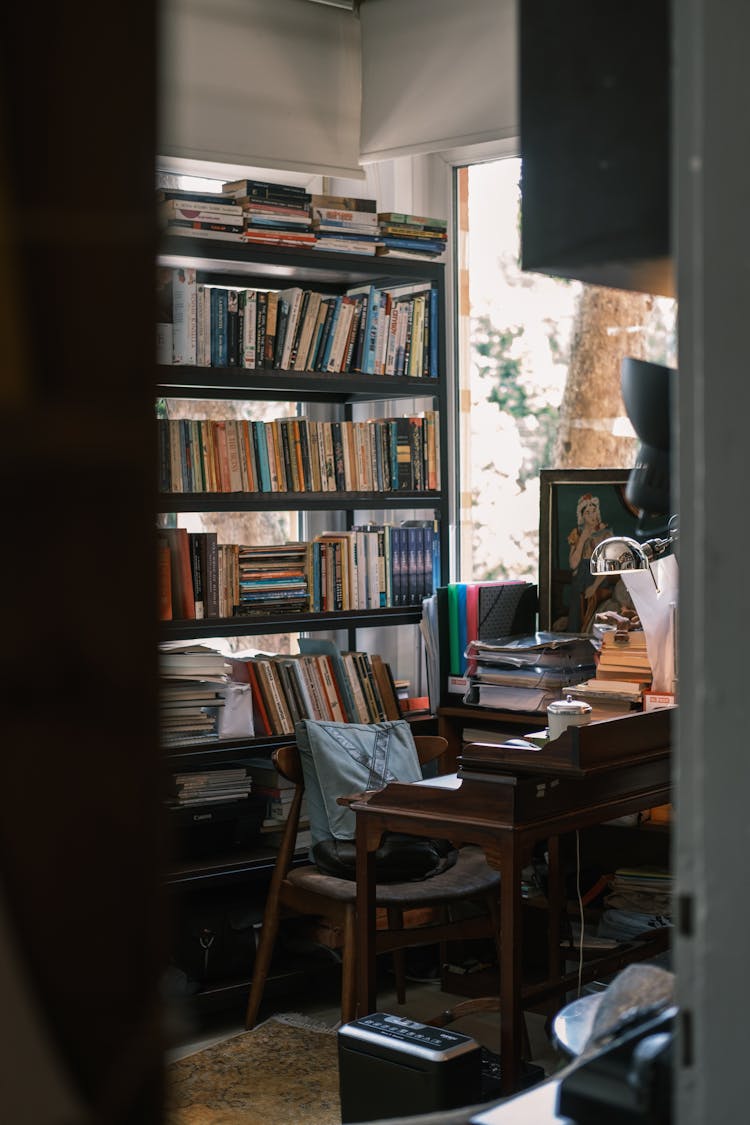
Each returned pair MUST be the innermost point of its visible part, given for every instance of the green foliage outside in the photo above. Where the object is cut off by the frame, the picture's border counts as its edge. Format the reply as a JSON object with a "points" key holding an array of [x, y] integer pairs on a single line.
{"points": [[511, 392]]}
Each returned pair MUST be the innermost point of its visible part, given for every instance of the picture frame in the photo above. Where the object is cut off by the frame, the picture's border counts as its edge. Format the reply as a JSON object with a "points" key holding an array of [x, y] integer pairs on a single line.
{"points": [[566, 601]]}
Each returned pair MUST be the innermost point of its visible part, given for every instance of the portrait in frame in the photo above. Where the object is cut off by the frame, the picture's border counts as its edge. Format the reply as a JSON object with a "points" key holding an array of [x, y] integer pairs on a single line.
{"points": [[578, 508]]}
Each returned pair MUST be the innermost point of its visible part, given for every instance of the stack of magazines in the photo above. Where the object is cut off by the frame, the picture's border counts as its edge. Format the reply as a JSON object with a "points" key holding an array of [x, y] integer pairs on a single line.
{"points": [[526, 673]]}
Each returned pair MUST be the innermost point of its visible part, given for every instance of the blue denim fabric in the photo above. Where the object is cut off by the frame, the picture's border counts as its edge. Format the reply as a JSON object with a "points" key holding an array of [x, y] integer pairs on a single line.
{"points": [[342, 758]]}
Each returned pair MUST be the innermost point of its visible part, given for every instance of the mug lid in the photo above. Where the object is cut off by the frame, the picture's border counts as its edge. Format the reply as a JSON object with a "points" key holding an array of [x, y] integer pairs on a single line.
{"points": [[569, 706]]}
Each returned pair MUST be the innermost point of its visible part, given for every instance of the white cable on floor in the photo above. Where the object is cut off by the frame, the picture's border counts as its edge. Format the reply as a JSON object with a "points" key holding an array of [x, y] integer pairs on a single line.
{"points": [[580, 909]]}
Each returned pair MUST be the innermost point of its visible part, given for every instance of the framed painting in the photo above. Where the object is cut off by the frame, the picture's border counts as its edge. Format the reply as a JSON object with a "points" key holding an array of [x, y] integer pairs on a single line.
{"points": [[578, 508]]}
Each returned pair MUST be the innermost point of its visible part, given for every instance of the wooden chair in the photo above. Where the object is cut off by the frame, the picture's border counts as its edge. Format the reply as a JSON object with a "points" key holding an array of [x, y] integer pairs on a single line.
{"points": [[306, 891]]}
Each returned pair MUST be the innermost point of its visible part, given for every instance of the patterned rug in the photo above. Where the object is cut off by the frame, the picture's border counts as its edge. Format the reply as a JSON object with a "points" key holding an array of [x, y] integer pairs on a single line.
{"points": [[284, 1072]]}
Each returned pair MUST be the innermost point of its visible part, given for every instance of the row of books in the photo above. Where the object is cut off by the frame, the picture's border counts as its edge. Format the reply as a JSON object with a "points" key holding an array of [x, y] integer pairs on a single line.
{"points": [[374, 566], [319, 682], [370, 330], [274, 214], [300, 455]]}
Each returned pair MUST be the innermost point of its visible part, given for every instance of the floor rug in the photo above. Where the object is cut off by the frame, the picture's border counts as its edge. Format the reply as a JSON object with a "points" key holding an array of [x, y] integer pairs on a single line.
{"points": [[284, 1072]]}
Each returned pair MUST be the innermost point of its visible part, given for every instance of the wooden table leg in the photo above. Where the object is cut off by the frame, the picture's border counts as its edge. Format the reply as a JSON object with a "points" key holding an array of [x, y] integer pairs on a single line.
{"points": [[555, 900], [366, 966], [511, 1012]]}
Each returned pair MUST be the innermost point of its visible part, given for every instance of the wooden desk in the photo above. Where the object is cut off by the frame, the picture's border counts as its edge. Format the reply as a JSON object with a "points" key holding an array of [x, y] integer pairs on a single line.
{"points": [[588, 776]]}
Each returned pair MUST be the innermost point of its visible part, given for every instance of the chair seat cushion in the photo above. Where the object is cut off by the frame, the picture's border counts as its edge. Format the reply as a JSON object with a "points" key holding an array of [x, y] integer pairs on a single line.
{"points": [[469, 877], [399, 859]]}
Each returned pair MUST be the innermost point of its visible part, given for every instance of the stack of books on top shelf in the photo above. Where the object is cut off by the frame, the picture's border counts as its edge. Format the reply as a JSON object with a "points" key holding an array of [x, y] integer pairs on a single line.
{"points": [[623, 671], [191, 696], [234, 784], [411, 236], [199, 214], [345, 224], [274, 214]]}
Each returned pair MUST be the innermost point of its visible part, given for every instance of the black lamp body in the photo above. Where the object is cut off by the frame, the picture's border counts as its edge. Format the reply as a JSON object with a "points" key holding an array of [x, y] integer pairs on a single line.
{"points": [[647, 391]]}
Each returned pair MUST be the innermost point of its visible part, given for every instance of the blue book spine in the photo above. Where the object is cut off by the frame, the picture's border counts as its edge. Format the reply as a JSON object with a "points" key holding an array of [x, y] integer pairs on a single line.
{"points": [[329, 340], [219, 315], [413, 541], [187, 482], [436, 576], [397, 566], [261, 446], [371, 331], [433, 340], [316, 599], [426, 561]]}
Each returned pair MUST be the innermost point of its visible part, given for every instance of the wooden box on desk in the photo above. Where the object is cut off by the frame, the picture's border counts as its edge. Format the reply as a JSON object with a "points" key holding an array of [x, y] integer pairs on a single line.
{"points": [[609, 742]]}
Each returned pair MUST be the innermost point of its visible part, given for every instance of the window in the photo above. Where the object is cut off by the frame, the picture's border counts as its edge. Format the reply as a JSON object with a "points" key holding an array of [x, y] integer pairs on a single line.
{"points": [[538, 374]]}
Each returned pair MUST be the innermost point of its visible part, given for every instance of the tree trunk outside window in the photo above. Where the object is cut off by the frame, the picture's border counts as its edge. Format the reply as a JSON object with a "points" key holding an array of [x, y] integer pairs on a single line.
{"points": [[610, 325]]}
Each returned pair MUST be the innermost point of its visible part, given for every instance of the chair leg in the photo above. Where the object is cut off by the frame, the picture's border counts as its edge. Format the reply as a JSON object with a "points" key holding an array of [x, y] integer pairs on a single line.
{"points": [[396, 922], [264, 953], [349, 968]]}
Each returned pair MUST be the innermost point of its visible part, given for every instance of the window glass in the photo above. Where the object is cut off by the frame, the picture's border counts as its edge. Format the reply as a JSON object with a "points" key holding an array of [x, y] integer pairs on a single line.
{"points": [[539, 370]]}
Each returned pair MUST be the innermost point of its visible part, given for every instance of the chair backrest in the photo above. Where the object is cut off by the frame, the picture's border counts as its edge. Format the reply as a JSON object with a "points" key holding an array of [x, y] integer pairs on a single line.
{"points": [[288, 763], [287, 759]]}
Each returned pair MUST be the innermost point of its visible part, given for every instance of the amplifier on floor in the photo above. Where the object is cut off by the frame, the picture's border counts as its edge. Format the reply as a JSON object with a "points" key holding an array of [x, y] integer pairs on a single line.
{"points": [[390, 1066]]}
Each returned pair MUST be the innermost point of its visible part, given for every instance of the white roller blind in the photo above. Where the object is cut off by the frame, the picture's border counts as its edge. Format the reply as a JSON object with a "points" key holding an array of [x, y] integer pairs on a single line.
{"points": [[261, 83], [436, 75]]}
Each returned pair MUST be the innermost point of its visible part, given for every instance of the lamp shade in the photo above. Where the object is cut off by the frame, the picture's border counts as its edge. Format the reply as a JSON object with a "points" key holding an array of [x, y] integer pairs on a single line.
{"points": [[646, 392], [618, 555]]}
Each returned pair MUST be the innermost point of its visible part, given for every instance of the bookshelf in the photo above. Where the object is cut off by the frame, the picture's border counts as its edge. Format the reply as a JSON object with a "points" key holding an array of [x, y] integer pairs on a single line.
{"points": [[228, 263], [233, 264]]}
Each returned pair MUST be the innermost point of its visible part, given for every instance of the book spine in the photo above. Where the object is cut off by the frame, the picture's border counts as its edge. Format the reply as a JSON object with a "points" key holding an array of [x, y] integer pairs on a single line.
{"points": [[272, 317], [165, 580], [220, 434], [219, 304], [197, 563], [261, 314], [184, 317], [355, 686], [211, 575], [262, 720], [249, 329], [261, 450], [333, 698], [233, 328], [282, 321]]}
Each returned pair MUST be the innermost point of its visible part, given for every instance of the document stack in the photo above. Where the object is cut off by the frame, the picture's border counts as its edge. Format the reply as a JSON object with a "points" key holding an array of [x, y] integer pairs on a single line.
{"points": [[526, 673]]}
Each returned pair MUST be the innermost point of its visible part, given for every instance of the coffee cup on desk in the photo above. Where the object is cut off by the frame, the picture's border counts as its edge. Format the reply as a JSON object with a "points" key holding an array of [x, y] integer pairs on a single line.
{"points": [[564, 713]]}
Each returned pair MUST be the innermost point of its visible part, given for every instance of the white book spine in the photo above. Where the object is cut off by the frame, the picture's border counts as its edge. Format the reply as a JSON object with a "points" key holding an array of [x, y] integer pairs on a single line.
{"points": [[184, 318], [249, 328]]}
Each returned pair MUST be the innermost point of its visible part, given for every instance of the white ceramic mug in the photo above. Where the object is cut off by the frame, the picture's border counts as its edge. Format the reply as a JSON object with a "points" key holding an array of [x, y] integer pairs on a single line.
{"points": [[564, 713]]}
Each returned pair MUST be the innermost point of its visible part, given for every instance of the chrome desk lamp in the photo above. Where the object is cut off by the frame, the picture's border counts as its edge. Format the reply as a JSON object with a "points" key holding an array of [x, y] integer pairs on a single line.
{"points": [[621, 554]]}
